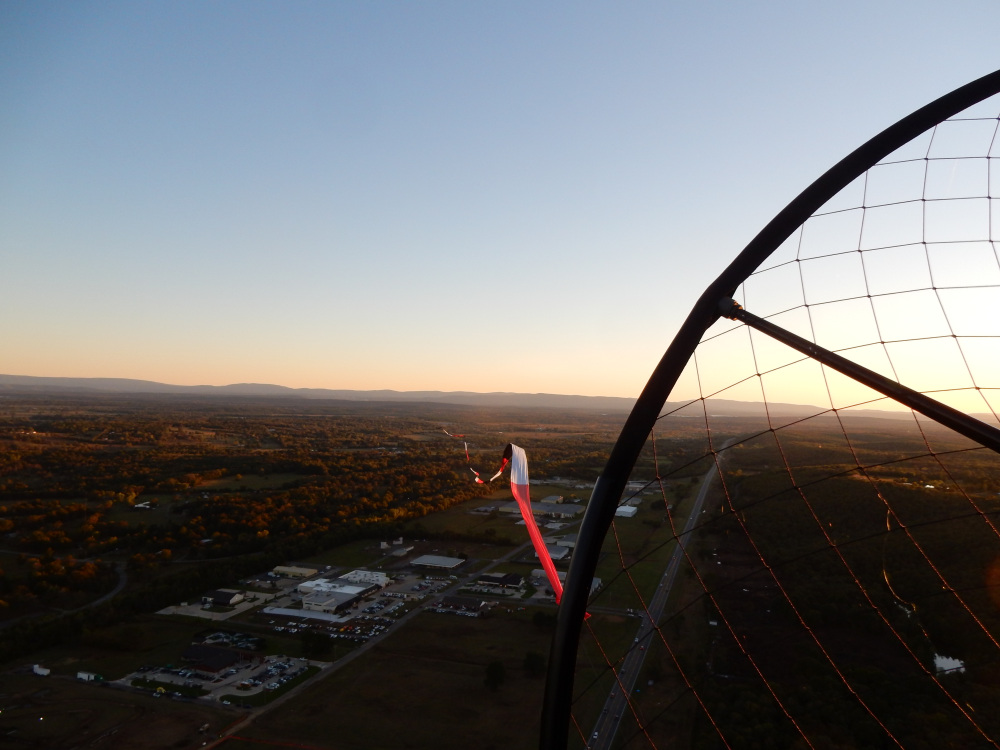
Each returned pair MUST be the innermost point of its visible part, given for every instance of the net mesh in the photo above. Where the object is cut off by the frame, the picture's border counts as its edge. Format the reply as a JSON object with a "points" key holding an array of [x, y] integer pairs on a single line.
{"points": [[799, 561]]}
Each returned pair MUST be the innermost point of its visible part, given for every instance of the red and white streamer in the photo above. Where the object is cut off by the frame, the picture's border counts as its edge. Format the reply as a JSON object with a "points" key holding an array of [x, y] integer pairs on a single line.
{"points": [[519, 487]]}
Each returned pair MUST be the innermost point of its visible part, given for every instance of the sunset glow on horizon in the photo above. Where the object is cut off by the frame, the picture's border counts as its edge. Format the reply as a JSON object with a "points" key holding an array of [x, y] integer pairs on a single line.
{"points": [[440, 196]]}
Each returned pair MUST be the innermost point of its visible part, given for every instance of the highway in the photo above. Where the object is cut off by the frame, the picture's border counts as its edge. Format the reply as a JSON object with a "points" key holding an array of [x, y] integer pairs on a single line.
{"points": [[616, 705]]}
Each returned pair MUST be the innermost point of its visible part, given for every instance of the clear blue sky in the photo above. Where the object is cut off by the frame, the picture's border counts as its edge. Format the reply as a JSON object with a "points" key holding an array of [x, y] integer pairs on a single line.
{"points": [[474, 196]]}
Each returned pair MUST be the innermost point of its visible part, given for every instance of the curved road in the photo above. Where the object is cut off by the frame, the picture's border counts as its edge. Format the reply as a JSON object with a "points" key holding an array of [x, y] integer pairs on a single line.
{"points": [[119, 587]]}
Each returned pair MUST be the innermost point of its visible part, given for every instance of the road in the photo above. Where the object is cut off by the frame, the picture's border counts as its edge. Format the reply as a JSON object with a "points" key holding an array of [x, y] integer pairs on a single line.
{"points": [[616, 704], [119, 587]]}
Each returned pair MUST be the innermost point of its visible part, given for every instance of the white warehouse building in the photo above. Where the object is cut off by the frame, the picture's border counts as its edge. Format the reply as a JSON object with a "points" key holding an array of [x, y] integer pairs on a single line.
{"points": [[367, 577], [324, 595]]}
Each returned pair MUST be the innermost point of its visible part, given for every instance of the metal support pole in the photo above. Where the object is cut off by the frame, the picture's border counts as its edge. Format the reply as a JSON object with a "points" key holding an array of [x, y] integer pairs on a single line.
{"points": [[960, 422]]}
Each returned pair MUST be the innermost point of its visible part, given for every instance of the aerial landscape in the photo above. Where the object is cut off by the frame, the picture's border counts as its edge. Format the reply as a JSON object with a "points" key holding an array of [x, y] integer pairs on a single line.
{"points": [[251, 571], [448, 375], [124, 515]]}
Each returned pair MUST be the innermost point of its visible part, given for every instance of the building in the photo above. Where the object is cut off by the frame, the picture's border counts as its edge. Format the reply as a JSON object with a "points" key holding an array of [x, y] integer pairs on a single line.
{"points": [[595, 584], [626, 511], [332, 596], [461, 604], [222, 598], [331, 602], [556, 553], [551, 510], [322, 585], [437, 561], [500, 581], [367, 577], [303, 614], [290, 571]]}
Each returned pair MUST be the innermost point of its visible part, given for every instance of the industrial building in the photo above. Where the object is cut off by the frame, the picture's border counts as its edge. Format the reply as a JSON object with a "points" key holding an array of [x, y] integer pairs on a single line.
{"points": [[290, 571], [326, 595], [502, 581], [212, 659], [332, 601], [557, 553], [222, 598], [550, 510], [367, 577], [461, 604], [437, 561]]}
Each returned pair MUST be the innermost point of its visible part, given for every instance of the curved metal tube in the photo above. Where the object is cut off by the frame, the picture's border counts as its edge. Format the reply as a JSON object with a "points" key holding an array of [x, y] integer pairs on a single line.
{"points": [[557, 706]]}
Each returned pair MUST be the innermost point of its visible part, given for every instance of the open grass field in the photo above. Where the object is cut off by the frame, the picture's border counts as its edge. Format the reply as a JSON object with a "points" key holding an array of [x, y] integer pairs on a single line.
{"points": [[120, 649], [646, 549], [43, 713], [422, 688], [357, 554], [662, 702], [460, 520]]}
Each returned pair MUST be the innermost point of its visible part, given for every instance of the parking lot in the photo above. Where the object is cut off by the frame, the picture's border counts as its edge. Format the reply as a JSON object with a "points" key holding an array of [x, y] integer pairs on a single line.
{"points": [[256, 676]]}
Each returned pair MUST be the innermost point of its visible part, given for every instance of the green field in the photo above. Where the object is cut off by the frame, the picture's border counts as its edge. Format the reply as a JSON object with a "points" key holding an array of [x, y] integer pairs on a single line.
{"points": [[118, 650], [429, 678], [357, 554], [57, 712], [644, 544], [459, 520]]}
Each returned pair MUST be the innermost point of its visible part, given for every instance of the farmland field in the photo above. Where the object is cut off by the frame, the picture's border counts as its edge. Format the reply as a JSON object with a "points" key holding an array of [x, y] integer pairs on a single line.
{"points": [[429, 678]]}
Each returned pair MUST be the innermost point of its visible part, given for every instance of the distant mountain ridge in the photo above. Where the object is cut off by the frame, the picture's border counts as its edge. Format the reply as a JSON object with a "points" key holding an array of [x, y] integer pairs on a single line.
{"points": [[13, 384], [22, 383]]}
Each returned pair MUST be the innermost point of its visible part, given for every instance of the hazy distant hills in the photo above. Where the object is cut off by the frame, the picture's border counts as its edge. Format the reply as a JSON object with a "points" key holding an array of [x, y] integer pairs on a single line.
{"points": [[26, 384]]}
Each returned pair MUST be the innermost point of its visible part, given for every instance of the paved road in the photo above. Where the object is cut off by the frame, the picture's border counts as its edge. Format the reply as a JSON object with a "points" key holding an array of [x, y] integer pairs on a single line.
{"points": [[119, 587], [617, 703]]}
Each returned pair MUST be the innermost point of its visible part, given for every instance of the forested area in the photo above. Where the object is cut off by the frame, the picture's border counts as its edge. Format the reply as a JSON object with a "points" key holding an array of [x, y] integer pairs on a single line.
{"points": [[112, 506]]}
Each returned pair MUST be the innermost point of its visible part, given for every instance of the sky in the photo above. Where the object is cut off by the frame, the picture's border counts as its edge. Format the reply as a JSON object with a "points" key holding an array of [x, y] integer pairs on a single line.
{"points": [[455, 196]]}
